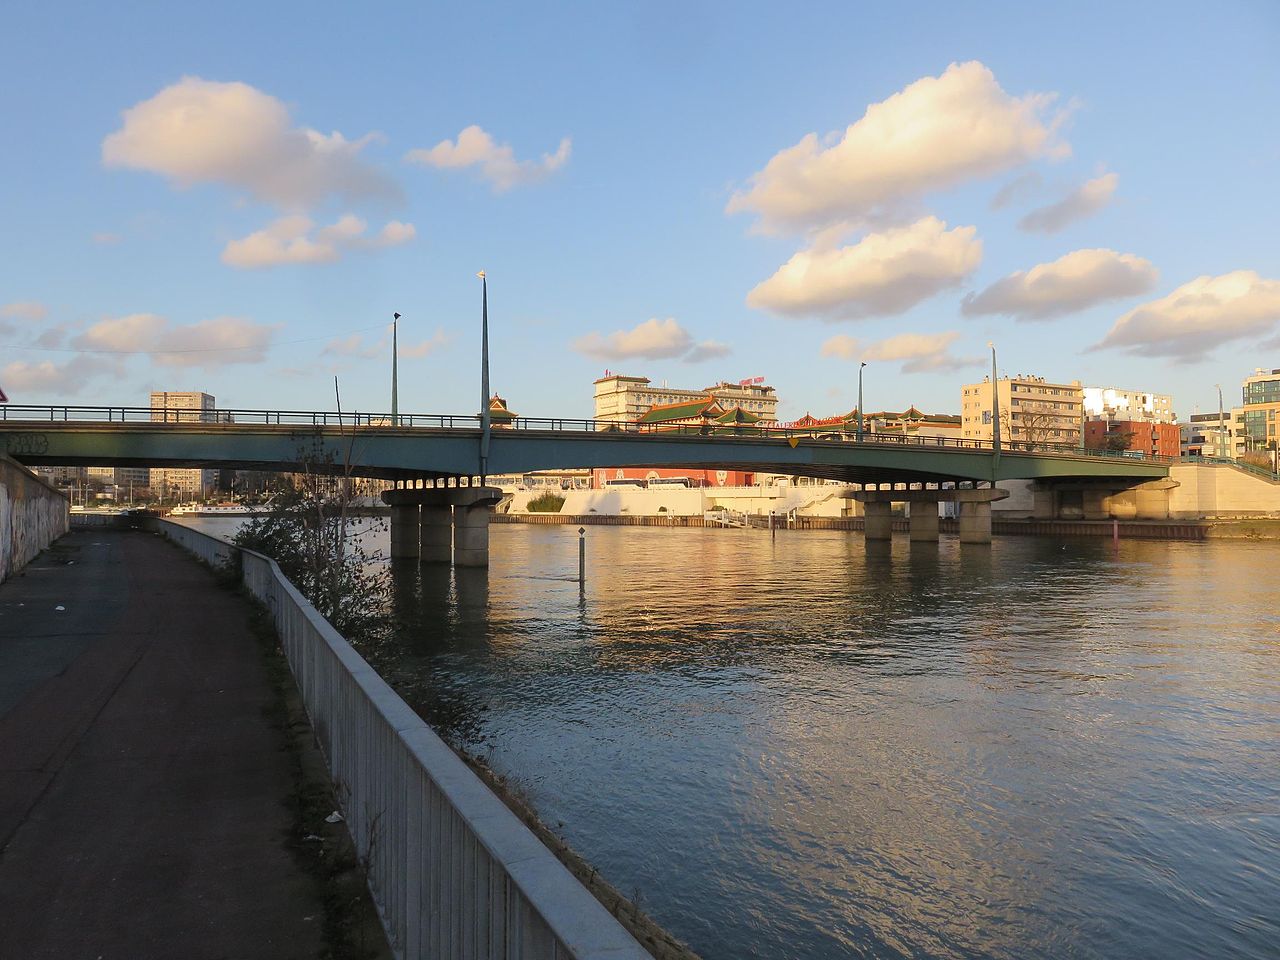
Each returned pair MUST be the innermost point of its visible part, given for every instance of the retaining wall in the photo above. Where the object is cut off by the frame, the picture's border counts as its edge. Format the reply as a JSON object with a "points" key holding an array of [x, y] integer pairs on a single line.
{"points": [[32, 516]]}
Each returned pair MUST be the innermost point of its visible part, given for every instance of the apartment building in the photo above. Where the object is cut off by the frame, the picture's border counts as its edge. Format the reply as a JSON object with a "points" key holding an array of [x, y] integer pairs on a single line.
{"points": [[1032, 410], [1261, 410], [1136, 406], [184, 483], [621, 399]]}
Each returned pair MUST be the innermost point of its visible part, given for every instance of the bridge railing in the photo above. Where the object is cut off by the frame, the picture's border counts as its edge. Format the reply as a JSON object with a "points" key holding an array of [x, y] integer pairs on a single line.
{"points": [[435, 421], [452, 870]]}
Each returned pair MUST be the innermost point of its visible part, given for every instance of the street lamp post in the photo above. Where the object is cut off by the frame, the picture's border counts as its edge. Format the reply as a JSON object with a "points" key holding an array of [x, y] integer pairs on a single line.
{"points": [[1222, 427], [395, 370], [995, 413], [484, 377], [861, 366]]}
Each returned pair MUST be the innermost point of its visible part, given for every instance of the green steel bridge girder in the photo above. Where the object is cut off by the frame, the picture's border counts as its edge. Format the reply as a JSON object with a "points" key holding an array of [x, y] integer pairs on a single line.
{"points": [[404, 453]]}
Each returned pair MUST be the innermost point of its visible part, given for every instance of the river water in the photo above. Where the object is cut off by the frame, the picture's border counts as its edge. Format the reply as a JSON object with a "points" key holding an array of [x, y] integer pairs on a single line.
{"points": [[795, 747]]}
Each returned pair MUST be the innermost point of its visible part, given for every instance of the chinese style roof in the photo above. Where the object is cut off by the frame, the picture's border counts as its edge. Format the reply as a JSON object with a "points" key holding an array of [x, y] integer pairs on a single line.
{"points": [[704, 407]]}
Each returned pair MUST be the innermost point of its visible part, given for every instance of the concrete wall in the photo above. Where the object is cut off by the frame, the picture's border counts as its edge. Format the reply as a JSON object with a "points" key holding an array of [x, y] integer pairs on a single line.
{"points": [[1221, 490], [32, 515]]}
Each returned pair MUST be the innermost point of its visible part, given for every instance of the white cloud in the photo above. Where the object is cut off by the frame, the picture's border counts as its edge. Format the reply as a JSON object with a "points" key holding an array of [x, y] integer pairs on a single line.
{"points": [[652, 340], [290, 240], [883, 273], [1016, 190], [497, 162], [218, 342], [134, 333], [1084, 201], [934, 134], [1199, 316], [918, 352], [24, 310], [353, 346], [202, 131], [708, 350], [1076, 281], [221, 341], [413, 351], [44, 376]]}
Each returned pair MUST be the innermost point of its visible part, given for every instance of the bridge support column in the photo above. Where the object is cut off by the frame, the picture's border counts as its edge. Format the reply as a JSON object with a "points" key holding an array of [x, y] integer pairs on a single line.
{"points": [[404, 531], [924, 521], [877, 521], [436, 539], [471, 535], [975, 521]]}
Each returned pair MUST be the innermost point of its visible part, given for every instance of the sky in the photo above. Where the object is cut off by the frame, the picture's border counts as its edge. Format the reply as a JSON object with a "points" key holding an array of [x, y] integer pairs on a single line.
{"points": [[236, 198]]}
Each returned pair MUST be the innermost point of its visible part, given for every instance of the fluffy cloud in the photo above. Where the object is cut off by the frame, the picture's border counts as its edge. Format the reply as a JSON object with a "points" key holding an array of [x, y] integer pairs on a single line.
{"points": [[1073, 282], [883, 273], [497, 162], [218, 342], [423, 348], [935, 133], [708, 350], [24, 310], [918, 352], [44, 376], [201, 131], [290, 240], [652, 340], [1199, 316], [1021, 186], [1084, 201]]}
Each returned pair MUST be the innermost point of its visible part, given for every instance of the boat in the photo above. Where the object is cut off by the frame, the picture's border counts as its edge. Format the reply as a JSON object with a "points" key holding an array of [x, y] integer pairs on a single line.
{"points": [[219, 509]]}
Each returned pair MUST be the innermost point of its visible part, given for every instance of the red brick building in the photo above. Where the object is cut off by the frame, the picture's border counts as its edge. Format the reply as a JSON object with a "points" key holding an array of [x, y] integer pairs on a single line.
{"points": [[1156, 439]]}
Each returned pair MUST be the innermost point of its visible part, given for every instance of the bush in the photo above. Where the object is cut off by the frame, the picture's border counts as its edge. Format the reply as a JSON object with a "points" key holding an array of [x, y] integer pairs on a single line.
{"points": [[546, 503]]}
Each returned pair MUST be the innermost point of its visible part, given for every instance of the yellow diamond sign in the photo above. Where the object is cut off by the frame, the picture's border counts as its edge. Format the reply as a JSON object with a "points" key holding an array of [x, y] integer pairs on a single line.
{"points": [[794, 441]]}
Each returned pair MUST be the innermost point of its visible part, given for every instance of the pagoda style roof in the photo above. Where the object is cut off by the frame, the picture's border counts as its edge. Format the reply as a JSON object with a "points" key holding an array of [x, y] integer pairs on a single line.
{"points": [[498, 411], [737, 415], [705, 407]]}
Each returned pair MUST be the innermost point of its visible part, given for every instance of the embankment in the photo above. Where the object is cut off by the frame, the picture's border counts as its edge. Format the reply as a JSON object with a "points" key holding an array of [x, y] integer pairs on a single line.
{"points": [[32, 516]]}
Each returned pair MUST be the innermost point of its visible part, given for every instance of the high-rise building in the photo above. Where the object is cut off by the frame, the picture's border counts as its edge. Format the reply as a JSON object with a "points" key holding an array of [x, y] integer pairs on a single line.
{"points": [[620, 399], [1032, 410], [177, 407]]}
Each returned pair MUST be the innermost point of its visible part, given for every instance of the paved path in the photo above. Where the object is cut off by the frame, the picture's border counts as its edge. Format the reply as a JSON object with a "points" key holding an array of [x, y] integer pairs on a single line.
{"points": [[142, 788]]}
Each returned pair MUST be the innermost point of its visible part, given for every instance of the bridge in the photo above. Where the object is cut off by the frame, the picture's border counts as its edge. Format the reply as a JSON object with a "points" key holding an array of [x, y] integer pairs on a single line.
{"points": [[440, 453]]}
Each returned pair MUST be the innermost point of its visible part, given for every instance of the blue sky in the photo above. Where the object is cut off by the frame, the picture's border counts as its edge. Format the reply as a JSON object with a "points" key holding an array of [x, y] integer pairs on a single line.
{"points": [[208, 223]]}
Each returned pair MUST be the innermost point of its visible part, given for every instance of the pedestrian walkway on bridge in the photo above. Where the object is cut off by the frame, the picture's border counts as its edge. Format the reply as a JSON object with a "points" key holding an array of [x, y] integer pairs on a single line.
{"points": [[143, 787]]}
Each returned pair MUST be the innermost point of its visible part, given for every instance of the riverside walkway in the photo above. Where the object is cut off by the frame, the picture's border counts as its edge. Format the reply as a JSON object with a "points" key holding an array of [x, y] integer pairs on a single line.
{"points": [[143, 788]]}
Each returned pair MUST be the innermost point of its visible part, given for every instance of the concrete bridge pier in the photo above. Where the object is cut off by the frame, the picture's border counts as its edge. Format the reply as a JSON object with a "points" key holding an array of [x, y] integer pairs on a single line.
{"points": [[404, 530], [923, 522], [975, 512], [877, 520], [435, 538], [439, 524]]}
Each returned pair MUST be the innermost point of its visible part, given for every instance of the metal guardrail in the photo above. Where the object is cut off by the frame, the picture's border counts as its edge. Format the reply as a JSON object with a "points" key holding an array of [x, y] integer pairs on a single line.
{"points": [[453, 872], [384, 421], [1226, 462]]}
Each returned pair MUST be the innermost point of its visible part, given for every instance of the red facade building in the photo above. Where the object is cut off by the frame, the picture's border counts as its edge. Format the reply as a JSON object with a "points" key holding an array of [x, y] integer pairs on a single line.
{"points": [[1153, 439]]}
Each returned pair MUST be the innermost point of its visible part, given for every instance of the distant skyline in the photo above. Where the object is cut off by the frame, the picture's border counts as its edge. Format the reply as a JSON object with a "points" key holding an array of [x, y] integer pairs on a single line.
{"points": [[235, 199]]}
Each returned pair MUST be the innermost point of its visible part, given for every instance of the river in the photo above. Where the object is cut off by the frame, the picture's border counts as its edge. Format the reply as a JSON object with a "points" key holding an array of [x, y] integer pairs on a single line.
{"points": [[794, 747]]}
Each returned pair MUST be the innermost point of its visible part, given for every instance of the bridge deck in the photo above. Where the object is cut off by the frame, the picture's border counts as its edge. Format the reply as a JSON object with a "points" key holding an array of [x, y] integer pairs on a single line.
{"points": [[444, 446]]}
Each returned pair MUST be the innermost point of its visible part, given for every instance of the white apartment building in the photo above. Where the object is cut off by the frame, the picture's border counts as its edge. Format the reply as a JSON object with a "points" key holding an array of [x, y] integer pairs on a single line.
{"points": [[1112, 403], [1032, 410], [621, 399], [186, 483]]}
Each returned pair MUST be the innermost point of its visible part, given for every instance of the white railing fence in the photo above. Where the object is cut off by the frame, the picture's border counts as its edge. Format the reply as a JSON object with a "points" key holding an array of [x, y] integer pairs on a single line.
{"points": [[454, 873]]}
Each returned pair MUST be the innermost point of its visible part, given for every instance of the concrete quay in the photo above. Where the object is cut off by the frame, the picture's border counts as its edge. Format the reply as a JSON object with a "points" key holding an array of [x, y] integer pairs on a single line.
{"points": [[142, 788]]}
